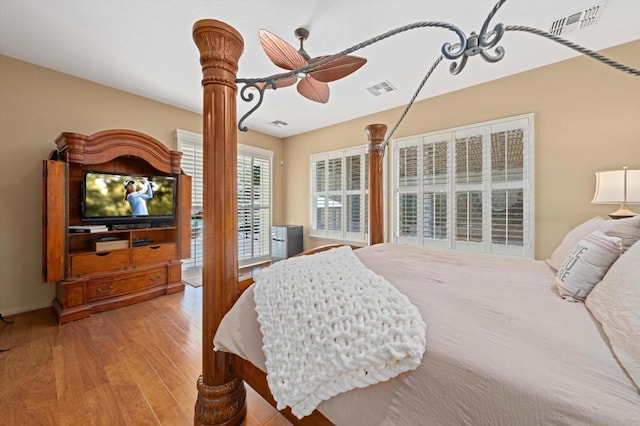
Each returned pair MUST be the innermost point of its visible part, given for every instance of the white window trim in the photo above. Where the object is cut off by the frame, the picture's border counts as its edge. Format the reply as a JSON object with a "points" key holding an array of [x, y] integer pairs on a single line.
{"points": [[255, 151], [528, 183]]}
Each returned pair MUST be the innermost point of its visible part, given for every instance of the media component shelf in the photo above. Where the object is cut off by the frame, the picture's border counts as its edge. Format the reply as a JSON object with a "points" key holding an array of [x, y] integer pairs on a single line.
{"points": [[105, 268]]}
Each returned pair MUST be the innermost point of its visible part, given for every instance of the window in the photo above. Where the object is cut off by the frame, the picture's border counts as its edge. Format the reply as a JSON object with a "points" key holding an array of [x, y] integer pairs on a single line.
{"points": [[190, 144], [254, 199], [254, 205], [339, 195], [469, 188]]}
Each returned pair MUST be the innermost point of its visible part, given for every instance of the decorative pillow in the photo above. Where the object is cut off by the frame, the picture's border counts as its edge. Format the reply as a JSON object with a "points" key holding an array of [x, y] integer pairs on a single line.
{"points": [[587, 264], [615, 303], [628, 229], [570, 240]]}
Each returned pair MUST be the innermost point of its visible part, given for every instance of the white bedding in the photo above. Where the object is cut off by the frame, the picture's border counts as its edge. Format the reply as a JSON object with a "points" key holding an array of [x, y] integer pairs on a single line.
{"points": [[502, 348]]}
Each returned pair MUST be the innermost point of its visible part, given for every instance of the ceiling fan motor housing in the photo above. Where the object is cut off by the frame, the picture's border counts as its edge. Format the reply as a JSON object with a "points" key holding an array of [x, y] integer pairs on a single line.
{"points": [[302, 34]]}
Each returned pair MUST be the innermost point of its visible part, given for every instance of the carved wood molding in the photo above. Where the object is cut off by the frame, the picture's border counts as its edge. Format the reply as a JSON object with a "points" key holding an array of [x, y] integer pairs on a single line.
{"points": [[220, 47], [220, 405], [107, 145]]}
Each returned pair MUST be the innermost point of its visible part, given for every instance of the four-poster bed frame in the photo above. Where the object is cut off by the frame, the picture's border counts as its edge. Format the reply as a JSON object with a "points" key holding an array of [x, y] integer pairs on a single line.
{"points": [[221, 393]]}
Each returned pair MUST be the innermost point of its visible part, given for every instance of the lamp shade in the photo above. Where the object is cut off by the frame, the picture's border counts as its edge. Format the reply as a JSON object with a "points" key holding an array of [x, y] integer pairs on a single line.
{"points": [[633, 186], [609, 187], [618, 187]]}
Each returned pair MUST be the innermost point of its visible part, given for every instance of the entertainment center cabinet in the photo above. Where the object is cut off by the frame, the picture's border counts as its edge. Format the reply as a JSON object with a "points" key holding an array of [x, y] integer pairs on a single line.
{"points": [[129, 263]]}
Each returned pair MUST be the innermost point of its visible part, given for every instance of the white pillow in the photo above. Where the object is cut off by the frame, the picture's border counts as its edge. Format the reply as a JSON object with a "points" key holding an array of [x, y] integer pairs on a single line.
{"points": [[587, 264], [628, 229], [615, 303]]}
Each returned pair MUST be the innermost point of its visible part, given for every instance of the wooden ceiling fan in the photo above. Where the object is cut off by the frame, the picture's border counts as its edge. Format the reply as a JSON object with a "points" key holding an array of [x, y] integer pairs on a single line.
{"points": [[313, 84]]}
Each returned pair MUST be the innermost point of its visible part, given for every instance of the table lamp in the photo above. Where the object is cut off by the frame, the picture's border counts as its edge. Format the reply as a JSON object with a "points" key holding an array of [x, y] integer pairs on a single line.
{"points": [[618, 187]]}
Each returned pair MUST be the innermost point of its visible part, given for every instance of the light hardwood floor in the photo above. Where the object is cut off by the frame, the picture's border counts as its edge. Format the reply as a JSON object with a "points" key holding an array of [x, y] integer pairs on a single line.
{"points": [[136, 365]]}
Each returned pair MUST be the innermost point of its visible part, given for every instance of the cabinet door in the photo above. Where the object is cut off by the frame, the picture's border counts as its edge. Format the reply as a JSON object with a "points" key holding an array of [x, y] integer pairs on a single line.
{"points": [[294, 240], [278, 243], [184, 217], [54, 220]]}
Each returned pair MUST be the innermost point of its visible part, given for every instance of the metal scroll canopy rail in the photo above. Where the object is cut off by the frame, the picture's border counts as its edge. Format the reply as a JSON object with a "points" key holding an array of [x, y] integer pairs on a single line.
{"points": [[459, 52]]}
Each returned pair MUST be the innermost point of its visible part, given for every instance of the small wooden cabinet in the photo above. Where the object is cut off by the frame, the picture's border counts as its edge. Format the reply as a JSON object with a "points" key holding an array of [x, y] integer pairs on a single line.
{"points": [[91, 276]]}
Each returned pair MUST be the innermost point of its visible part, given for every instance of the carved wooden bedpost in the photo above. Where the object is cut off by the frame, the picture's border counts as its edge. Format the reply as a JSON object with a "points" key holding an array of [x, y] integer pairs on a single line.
{"points": [[375, 133], [221, 393]]}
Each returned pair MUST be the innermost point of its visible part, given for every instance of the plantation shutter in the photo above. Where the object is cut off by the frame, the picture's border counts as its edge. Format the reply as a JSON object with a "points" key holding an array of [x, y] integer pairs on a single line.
{"points": [[319, 213], [339, 195], [510, 183], [423, 183], [333, 203], [355, 197], [435, 188], [254, 205], [254, 199], [365, 229], [468, 188], [190, 144], [408, 192]]}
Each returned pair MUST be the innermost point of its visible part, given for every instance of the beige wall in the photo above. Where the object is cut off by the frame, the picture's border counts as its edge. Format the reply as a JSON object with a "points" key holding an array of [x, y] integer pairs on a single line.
{"points": [[587, 118], [36, 105]]}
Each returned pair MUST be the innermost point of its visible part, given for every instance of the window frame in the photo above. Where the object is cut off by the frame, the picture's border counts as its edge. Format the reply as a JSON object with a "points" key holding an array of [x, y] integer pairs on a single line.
{"points": [[184, 139], [342, 234], [486, 186], [267, 156]]}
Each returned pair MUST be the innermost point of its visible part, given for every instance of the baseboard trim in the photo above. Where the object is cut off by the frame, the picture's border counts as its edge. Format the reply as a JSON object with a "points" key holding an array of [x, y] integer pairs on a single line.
{"points": [[25, 310]]}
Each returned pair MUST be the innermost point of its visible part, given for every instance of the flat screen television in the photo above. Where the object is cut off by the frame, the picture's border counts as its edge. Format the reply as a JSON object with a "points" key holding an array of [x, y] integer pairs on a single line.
{"points": [[110, 197]]}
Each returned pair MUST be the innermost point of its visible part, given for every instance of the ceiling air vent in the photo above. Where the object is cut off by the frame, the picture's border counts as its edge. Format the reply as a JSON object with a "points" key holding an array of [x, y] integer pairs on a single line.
{"points": [[381, 88], [579, 20], [278, 123]]}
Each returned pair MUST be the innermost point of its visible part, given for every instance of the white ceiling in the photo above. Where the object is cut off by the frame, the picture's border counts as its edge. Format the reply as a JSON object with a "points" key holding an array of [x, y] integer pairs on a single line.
{"points": [[145, 46]]}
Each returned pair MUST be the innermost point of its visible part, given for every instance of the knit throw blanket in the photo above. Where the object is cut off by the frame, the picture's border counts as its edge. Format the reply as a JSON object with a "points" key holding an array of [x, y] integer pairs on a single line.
{"points": [[330, 325]]}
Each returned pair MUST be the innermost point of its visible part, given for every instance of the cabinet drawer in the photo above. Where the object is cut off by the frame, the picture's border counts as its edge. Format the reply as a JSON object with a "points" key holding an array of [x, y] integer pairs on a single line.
{"points": [[92, 263], [155, 253], [133, 282]]}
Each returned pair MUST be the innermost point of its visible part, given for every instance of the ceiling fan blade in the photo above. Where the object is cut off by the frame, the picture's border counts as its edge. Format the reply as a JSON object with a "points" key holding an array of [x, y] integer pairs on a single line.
{"points": [[280, 52], [282, 82], [337, 69], [314, 90]]}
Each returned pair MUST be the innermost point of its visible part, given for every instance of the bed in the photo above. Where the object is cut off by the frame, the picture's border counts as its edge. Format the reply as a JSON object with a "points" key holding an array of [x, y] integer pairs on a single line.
{"points": [[502, 348], [506, 349]]}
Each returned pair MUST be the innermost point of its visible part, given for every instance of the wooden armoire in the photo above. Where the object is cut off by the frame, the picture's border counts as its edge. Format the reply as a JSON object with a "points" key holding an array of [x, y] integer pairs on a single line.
{"points": [[89, 280]]}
